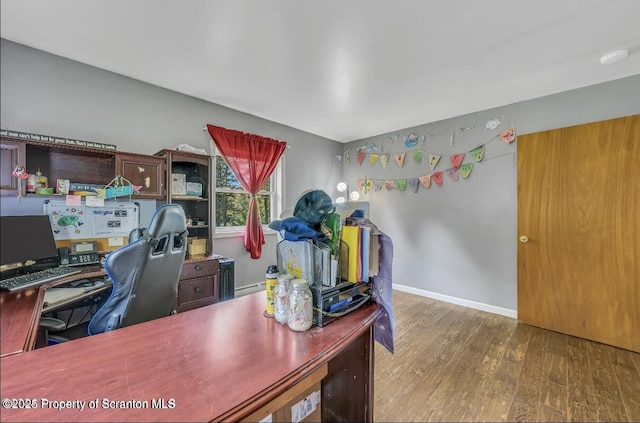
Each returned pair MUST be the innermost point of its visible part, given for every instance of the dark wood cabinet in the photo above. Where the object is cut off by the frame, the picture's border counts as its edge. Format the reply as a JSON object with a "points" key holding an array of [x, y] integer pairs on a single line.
{"points": [[12, 154], [188, 183], [144, 171], [199, 284]]}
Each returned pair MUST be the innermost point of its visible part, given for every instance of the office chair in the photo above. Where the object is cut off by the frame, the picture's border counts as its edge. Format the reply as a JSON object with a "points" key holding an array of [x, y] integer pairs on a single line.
{"points": [[145, 273]]}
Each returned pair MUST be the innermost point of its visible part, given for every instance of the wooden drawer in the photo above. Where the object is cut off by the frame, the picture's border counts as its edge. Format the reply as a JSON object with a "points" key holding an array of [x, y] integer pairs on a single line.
{"points": [[200, 289], [198, 269]]}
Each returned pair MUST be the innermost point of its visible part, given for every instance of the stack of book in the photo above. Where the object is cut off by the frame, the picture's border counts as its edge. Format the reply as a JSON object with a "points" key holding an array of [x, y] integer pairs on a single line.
{"points": [[359, 254]]}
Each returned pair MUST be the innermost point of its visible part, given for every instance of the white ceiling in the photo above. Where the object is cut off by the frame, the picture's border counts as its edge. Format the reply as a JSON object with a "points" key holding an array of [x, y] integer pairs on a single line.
{"points": [[342, 69]]}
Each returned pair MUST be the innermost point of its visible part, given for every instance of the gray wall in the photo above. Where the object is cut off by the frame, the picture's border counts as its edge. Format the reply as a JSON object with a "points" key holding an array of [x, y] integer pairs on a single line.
{"points": [[459, 240], [47, 94]]}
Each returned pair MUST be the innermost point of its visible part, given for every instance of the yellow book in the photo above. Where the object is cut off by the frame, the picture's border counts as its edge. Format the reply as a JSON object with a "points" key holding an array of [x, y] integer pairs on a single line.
{"points": [[351, 236]]}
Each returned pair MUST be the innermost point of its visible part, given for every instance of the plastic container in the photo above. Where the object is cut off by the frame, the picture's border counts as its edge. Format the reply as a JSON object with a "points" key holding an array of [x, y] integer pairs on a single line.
{"points": [[281, 298], [300, 306]]}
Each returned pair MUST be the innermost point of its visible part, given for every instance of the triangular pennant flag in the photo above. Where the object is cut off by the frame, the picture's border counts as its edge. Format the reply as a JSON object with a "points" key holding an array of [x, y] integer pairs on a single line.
{"points": [[425, 180], [508, 135], [477, 153], [361, 157], [377, 185], [417, 155], [456, 160], [437, 177], [347, 156], [366, 185], [414, 184], [401, 184], [465, 170], [453, 173], [399, 159], [373, 158], [434, 159], [361, 185], [384, 159], [389, 185]]}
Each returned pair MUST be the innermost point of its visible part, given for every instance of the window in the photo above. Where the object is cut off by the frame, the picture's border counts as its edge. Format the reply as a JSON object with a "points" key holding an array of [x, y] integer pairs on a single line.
{"points": [[232, 201]]}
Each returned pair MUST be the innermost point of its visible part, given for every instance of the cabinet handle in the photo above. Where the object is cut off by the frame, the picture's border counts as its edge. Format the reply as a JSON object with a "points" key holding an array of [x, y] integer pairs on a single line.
{"points": [[198, 267], [197, 289]]}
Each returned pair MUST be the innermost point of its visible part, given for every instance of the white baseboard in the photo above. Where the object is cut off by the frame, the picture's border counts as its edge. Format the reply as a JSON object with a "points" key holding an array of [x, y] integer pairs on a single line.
{"points": [[459, 301]]}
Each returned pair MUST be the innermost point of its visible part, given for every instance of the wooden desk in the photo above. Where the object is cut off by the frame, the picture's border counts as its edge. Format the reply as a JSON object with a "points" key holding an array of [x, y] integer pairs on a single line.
{"points": [[217, 363], [20, 312]]}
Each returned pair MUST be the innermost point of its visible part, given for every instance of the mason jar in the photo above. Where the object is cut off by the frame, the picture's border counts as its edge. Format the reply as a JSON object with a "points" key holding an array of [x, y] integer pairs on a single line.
{"points": [[300, 305], [281, 297]]}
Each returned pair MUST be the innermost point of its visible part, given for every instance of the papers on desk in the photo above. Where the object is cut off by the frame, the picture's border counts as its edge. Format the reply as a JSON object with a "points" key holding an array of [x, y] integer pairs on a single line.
{"points": [[54, 296]]}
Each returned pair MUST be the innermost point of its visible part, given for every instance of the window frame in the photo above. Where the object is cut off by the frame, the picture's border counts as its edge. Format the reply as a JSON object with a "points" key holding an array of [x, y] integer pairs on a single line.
{"points": [[276, 194]]}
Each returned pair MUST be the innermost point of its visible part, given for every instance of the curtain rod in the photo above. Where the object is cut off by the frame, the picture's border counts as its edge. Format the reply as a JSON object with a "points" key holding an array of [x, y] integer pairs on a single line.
{"points": [[205, 129]]}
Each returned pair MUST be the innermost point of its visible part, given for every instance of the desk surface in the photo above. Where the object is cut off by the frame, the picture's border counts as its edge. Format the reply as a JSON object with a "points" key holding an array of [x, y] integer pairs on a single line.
{"points": [[217, 362]]}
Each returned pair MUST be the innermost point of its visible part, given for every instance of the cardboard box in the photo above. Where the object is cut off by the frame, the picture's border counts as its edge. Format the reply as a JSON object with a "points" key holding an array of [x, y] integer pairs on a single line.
{"points": [[178, 184], [301, 403], [197, 247]]}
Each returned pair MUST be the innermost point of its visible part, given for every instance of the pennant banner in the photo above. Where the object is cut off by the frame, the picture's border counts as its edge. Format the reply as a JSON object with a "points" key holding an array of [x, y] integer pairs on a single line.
{"points": [[477, 153], [465, 170], [401, 184], [453, 173], [414, 184], [377, 185], [384, 159], [389, 185], [417, 155], [434, 159], [425, 181], [399, 159], [361, 157], [456, 160], [373, 158], [508, 135], [437, 177]]}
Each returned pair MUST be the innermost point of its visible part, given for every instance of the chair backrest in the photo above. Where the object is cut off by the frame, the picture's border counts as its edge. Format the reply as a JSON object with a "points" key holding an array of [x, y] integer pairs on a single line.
{"points": [[145, 273]]}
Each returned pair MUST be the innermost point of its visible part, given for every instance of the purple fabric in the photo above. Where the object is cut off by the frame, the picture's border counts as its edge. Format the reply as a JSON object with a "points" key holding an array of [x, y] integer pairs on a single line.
{"points": [[382, 291]]}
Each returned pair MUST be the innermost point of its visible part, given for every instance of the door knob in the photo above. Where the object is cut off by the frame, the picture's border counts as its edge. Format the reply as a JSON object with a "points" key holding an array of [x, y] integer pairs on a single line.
{"points": [[524, 239]]}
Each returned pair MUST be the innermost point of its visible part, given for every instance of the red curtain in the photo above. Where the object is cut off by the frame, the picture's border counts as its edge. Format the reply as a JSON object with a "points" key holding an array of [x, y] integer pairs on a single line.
{"points": [[253, 159]]}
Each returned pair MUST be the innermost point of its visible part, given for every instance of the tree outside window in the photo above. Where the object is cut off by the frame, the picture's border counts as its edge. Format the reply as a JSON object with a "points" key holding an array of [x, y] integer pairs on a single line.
{"points": [[232, 201]]}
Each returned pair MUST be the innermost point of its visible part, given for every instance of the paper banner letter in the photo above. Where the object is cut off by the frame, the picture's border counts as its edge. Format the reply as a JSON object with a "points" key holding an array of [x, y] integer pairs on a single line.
{"points": [[414, 184], [437, 177], [425, 180], [411, 140], [361, 158], [508, 135], [377, 185], [384, 159], [465, 170], [453, 173], [456, 160], [373, 158], [389, 185], [401, 184], [434, 159], [477, 153], [417, 155], [399, 159]]}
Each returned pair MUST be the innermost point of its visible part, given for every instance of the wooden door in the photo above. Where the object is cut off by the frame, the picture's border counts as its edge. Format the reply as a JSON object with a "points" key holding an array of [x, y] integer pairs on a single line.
{"points": [[579, 209]]}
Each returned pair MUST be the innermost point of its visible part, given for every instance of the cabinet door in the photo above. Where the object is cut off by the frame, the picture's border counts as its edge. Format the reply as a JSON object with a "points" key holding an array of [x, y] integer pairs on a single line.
{"points": [[12, 153], [144, 171]]}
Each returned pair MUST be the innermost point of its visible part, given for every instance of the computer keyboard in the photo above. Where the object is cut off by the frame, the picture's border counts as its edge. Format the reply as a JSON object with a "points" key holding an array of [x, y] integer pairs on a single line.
{"points": [[36, 278]]}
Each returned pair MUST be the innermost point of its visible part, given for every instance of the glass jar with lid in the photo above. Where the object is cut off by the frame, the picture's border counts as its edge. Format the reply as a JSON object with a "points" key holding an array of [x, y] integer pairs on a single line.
{"points": [[281, 298], [300, 305]]}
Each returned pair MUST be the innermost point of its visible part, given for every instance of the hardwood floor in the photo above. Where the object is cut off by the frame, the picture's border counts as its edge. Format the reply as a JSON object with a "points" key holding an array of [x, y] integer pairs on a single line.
{"points": [[453, 363]]}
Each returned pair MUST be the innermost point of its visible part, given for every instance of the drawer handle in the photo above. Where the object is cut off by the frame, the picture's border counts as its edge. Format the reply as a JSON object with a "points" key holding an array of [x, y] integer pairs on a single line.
{"points": [[198, 267], [197, 289]]}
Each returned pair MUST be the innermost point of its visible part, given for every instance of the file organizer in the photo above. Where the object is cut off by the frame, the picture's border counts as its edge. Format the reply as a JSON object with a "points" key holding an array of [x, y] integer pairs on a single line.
{"points": [[311, 260]]}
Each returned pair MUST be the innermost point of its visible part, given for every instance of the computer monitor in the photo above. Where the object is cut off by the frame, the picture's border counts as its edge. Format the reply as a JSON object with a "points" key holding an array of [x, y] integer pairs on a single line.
{"points": [[26, 240]]}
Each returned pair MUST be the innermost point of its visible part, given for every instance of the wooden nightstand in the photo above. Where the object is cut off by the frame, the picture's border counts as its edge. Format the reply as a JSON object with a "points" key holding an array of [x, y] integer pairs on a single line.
{"points": [[199, 283]]}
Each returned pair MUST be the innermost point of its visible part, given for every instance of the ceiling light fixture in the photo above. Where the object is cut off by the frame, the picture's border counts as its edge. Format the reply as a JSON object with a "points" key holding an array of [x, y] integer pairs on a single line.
{"points": [[614, 57]]}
